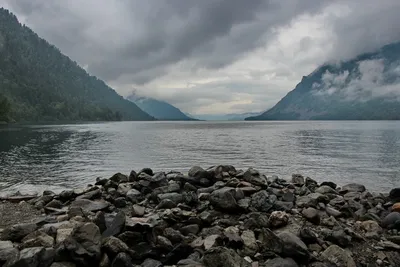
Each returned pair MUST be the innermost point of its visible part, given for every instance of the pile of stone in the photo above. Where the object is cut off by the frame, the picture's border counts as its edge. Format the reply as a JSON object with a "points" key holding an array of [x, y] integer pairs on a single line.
{"points": [[219, 217]]}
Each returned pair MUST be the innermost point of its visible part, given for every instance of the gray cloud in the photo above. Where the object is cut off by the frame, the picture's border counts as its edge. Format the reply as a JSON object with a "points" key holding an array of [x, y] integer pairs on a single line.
{"points": [[369, 80], [210, 54]]}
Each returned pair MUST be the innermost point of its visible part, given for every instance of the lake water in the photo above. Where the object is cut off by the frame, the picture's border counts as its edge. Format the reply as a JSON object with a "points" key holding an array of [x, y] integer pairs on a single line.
{"points": [[33, 158]]}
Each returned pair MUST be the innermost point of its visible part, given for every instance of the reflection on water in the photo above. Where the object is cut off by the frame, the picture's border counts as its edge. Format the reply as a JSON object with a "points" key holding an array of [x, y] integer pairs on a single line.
{"points": [[60, 156]]}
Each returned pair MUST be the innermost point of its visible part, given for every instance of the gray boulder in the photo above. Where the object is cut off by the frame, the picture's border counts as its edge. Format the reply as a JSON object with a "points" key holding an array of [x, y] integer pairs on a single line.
{"points": [[338, 256], [223, 257], [224, 199], [262, 202], [18, 231], [353, 187], [293, 247]]}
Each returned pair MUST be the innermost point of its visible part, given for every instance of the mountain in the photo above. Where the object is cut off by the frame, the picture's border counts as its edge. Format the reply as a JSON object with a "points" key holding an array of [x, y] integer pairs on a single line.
{"points": [[41, 84], [226, 117], [160, 110], [364, 88]]}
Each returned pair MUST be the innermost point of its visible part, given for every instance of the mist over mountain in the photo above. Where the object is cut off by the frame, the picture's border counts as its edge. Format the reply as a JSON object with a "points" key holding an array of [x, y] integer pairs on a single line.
{"points": [[160, 110], [39, 83], [364, 88]]}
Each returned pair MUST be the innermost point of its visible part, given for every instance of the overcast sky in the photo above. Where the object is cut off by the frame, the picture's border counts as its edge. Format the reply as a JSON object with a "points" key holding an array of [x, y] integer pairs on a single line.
{"points": [[210, 56]]}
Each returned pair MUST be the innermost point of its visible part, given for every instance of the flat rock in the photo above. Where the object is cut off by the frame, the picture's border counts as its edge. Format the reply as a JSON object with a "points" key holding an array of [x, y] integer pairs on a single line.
{"points": [[122, 260], [90, 205], [338, 256], [353, 187]]}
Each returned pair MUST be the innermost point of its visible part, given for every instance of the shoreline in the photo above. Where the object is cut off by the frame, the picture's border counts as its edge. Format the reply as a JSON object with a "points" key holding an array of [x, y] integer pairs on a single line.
{"points": [[215, 217]]}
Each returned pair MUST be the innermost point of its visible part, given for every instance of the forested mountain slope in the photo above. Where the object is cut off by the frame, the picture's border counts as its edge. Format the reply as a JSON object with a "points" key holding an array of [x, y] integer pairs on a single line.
{"points": [[42, 84]]}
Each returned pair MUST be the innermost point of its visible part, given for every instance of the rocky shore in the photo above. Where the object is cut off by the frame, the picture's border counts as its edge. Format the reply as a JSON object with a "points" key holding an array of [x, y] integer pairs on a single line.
{"points": [[219, 217]]}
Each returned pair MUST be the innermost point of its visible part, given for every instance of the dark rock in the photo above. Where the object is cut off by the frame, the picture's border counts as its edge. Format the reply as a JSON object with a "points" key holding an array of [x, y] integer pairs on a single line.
{"points": [[223, 257], [174, 197], [67, 195], [311, 215], [30, 257], [330, 184], [151, 263], [120, 202], [147, 171], [283, 206], [166, 204], [122, 260], [394, 194], [198, 172], [173, 235], [132, 176], [338, 256], [47, 257], [254, 177], [100, 221], [131, 238], [190, 229], [116, 226], [270, 242], [189, 187], [92, 194], [308, 236], [311, 184], [55, 204], [190, 198], [339, 237], [89, 205], [298, 179], [293, 247], [18, 231], [8, 254], [113, 246], [353, 187], [223, 171], [390, 220], [224, 199], [281, 262], [262, 202], [325, 189], [119, 178], [306, 201], [288, 196], [63, 264]]}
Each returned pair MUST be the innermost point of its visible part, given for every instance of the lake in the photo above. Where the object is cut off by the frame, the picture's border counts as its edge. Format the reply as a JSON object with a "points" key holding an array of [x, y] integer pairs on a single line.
{"points": [[38, 157]]}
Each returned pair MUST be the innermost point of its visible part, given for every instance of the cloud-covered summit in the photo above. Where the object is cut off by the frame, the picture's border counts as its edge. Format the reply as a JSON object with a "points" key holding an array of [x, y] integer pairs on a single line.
{"points": [[210, 56]]}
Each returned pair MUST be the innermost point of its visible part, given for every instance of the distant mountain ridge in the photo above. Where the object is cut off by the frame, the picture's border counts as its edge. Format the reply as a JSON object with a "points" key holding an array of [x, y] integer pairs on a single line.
{"points": [[160, 110], [226, 117], [39, 83], [364, 88]]}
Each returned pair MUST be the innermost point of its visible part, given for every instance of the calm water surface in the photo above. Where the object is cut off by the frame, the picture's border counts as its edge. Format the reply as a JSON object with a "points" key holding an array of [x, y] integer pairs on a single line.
{"points": [[33, 158]]}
